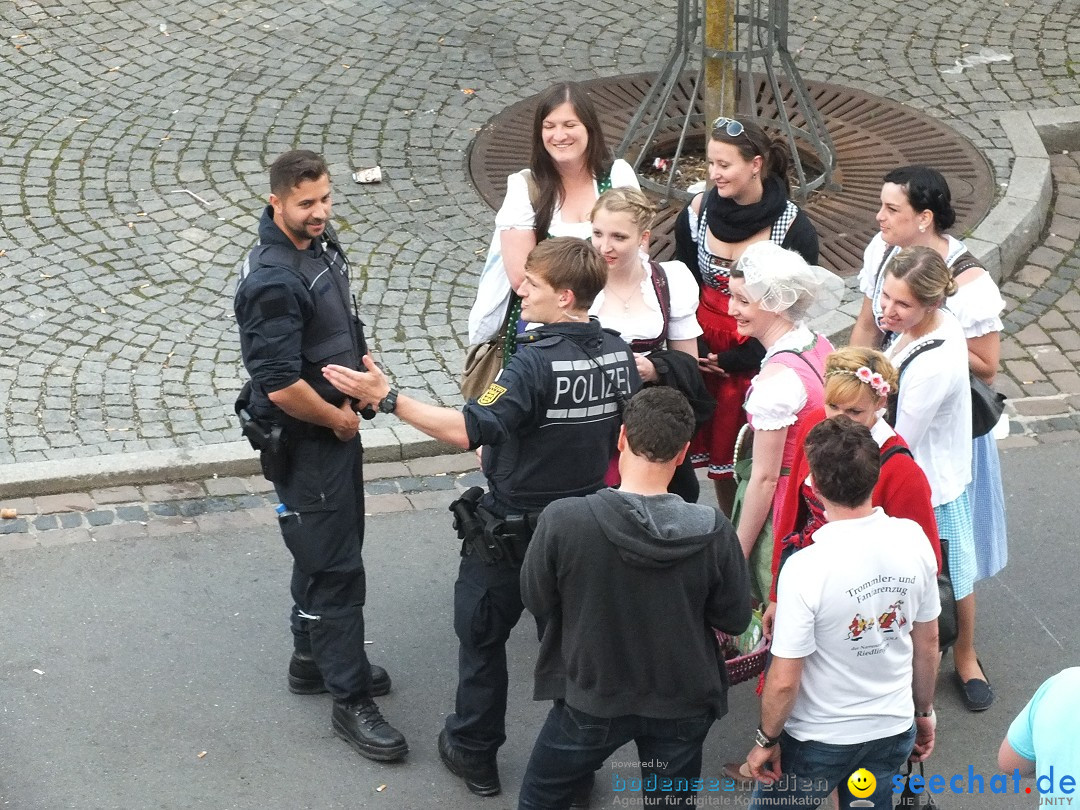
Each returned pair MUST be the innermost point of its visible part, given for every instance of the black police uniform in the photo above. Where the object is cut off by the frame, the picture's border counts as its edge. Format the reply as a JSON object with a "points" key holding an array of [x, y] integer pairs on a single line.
{"points": [[293, 312], [548, 426]]}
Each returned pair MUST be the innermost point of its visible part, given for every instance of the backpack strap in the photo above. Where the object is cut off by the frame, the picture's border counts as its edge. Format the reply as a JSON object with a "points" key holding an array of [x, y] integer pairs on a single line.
{"points": [[892, 451]]}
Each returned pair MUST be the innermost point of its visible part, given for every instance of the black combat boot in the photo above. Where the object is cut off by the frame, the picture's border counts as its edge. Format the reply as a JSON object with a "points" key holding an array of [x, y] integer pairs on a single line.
{"points": [[481, 774], [361, 725], [305, 678]]}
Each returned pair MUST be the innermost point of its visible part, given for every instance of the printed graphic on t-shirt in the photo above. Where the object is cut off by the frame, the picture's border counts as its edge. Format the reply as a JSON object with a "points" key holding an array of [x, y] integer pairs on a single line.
{"points": [[893, 619], [887, 624]]}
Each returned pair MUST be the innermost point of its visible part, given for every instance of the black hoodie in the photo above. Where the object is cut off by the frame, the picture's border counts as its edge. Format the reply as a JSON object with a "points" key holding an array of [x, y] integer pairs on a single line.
{"points": [[632, 587]]}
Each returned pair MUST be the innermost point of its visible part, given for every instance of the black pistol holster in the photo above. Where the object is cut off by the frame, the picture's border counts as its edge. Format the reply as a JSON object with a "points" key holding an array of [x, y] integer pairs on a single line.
{"points": [[490, 537], [269, 438]]}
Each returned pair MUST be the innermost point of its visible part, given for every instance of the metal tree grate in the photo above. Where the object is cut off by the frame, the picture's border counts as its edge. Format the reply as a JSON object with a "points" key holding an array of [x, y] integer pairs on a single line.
{"points": [[870, 135]]}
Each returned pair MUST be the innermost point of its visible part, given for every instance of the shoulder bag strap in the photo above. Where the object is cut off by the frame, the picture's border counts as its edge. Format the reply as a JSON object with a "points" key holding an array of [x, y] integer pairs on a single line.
{"points": [[964, 262], [663, 295], [924, 347], [530, 184]]}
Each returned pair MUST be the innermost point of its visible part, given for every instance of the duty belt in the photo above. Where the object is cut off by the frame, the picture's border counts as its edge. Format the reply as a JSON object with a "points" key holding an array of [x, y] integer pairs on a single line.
{"points": [[490, 537]]}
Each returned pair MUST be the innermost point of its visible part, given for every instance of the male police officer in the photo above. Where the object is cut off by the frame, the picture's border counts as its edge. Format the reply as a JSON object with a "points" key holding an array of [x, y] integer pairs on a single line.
{"points": [[292, 309], [548, 426]]}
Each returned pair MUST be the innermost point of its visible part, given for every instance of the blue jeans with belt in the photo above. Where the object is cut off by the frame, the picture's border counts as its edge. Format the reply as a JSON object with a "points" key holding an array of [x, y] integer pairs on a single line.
{"points": [[573, 744], [812, 770]]}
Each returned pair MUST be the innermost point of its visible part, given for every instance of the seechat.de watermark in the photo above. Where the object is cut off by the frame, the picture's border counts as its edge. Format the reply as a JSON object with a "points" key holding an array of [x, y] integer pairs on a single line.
{"points": [[1053, 790]]}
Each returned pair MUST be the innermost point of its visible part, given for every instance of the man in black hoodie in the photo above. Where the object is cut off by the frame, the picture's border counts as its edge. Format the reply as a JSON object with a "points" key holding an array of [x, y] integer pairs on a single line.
{"points": [[630, 583]]}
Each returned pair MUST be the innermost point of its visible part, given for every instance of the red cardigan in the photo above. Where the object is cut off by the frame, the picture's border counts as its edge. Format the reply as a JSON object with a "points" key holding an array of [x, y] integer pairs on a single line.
{"points": [[902, 491]]}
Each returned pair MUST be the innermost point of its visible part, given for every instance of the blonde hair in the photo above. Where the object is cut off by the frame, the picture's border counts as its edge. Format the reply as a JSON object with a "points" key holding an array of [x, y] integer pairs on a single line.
{"points": [[842, 381], [926, 274], [625, 200]]}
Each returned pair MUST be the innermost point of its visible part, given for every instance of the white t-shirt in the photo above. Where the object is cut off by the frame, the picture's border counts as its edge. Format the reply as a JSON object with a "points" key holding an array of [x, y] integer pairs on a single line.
{"points": [[933, 413], [516, 213], [684, 293], [845, 605]]}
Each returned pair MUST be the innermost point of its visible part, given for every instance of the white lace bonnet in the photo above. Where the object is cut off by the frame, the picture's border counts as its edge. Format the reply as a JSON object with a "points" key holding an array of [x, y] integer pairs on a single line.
{"points": [[780, 280]]}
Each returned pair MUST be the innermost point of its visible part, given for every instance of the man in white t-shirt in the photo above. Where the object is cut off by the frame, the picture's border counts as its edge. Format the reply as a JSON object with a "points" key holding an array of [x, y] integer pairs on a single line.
{"points": [[855, 649]]}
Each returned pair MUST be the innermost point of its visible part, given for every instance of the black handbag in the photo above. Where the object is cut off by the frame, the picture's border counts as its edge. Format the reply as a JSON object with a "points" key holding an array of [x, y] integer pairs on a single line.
{"points": [[987, 405], [909, 798], [947, 630]]}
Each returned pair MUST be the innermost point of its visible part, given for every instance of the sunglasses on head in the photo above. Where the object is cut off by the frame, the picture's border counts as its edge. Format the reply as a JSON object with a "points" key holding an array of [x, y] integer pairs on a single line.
{"points": [[729, 125]]}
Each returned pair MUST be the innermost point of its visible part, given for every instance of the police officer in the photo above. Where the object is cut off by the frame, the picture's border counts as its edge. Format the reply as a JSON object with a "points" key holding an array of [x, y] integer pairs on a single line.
{"points": [[548, 426], [293, 312]]}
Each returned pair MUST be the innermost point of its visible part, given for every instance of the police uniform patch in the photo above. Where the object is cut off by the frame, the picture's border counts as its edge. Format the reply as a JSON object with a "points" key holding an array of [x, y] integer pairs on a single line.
{"points": [[491, 395]]}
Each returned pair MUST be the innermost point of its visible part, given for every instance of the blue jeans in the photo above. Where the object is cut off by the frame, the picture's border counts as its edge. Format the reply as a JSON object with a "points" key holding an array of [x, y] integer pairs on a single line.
{"points": [[812, 770], [573, 744]]}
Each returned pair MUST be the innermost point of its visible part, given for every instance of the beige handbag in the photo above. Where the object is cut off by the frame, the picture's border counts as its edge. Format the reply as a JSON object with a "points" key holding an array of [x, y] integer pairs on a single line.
{"points": [[483, 362]]}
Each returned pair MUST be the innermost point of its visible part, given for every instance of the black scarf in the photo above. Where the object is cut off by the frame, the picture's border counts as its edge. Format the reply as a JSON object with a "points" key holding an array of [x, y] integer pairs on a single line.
{"points": [[731, 222]]}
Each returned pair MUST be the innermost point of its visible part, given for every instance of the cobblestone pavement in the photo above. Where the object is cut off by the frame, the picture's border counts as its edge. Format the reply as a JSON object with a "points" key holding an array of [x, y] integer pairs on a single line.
{"points": [[134, 143], [216, 504]]}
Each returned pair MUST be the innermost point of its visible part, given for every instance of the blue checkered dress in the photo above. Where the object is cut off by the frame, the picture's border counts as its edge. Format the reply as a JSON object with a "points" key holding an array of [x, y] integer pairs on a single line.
{"points": [[954, 524]]}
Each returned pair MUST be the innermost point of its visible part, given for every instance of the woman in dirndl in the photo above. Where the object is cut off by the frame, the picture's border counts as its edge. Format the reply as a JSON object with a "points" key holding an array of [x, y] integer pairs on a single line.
{"points": [[749, 203]]}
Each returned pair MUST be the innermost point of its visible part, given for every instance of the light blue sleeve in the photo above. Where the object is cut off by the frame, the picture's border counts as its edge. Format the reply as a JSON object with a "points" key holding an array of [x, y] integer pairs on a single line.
{"points": [[1019, 735]]}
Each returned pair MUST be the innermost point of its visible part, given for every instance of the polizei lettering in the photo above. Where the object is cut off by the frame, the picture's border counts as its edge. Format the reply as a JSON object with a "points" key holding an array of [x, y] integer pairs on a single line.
{"points": [[583, 390]]}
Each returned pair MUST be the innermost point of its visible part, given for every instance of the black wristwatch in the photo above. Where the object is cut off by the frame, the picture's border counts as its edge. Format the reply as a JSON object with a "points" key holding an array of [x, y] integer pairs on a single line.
{"points": [[763, 740], [388, 403]]}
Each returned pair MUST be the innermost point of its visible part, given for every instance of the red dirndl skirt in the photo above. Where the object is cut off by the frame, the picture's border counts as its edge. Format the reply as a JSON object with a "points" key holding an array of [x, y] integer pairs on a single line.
{"points": [[714, 444]]}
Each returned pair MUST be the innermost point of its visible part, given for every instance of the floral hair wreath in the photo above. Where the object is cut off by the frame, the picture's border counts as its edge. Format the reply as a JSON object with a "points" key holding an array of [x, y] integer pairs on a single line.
{"points": [[871, 378]]}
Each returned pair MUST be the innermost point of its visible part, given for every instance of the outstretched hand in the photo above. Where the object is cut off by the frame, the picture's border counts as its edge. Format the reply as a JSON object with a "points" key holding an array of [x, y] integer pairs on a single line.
{"points": [[708, 365], [367, 387]]}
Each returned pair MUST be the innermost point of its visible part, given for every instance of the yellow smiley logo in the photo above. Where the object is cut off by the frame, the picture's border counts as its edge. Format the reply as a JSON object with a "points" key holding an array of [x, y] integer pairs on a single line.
{"points": [[861, 783]]}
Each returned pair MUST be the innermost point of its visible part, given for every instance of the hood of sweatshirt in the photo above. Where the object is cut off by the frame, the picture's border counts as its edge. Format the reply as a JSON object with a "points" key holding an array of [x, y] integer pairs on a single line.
{"points": [[653, 531]]}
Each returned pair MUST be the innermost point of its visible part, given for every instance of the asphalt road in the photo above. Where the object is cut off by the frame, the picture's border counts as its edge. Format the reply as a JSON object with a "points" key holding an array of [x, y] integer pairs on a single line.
{"points": [[123, 661]]}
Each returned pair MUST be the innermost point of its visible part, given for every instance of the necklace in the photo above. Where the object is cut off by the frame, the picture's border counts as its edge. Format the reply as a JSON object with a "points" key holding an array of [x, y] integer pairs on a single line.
{"points": [[625, 301], [628, 300]]}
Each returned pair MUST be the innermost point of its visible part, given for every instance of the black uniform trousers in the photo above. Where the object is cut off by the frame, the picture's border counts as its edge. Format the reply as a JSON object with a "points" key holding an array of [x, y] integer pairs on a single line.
{"points": [[323, 528], [487, 605]]}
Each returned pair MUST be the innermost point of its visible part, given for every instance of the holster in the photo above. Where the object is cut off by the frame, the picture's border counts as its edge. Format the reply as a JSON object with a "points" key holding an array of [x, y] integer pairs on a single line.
{"points": [[488, 536], [269, 438]]}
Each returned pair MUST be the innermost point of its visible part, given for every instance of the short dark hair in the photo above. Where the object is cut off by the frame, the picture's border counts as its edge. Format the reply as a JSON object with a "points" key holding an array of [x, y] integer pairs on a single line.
{"points": [[926, 190], [659, 422], [293, 168], [569, 263], [844, 460]]}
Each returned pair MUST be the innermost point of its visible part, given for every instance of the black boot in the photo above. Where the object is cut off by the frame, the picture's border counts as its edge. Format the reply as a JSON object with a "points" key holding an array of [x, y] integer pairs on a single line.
{"points": [[481, 775], [361, 725], [305, 678]]}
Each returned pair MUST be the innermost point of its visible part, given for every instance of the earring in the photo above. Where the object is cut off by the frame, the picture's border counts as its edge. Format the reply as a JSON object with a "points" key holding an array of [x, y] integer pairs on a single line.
{"points": [[922, 229]]}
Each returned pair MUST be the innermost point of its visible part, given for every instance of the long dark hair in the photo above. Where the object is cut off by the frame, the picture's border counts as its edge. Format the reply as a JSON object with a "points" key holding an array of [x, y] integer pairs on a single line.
{"points": [[544, 172], [753, 141]]}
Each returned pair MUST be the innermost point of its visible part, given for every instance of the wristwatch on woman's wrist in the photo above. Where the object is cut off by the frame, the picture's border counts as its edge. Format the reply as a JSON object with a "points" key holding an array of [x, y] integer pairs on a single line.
{"points": [[925, 714]]}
